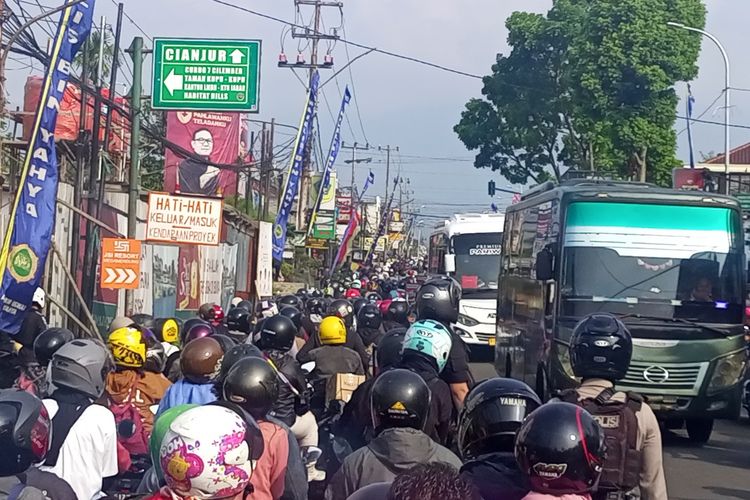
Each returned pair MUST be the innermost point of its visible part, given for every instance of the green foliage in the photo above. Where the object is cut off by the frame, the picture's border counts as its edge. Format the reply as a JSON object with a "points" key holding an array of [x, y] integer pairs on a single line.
{"points": [[91, 48], [589, 86], [152, 150]]}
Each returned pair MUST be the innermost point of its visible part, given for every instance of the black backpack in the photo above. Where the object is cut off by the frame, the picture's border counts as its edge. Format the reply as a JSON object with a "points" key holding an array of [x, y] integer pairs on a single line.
{"points": [[623, 463]]}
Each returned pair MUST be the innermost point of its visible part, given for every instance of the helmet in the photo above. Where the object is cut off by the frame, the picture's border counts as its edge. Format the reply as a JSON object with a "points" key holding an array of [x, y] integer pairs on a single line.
{"points": [[39, 298], [234, 302], [48, 342], [128, 347], [120, 322], [398, 311], [278, 333], [81, 365], [24, 431], [369, 316], [161, 426], [399, 398], [332, 331], [438, 299], [156, 356], [206, 311], [316, 294], [200, 360], [235, 354], [238, 319], [218, 314], [356, 284], [197, 331], [600, 347], [224, 341], [383, 306], [429, 338], [187, 325], [205, 454], [294, 314], [358, 303], [289, 300], [352, 293], [167, 330], [246, 304], [343, 309], [315, 305], [561, 448], [253, 384], [372, 297], [388, 350], [492, 414], [143, 320], [266, 309], [302, 293]]}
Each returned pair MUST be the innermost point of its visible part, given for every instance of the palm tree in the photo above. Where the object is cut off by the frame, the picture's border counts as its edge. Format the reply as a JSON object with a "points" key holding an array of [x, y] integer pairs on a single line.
{"points": [[92, 50]]}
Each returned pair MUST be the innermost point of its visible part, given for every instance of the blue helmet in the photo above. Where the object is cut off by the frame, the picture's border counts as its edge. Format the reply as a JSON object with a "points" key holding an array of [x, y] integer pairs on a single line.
{"points": [[431, 339]]}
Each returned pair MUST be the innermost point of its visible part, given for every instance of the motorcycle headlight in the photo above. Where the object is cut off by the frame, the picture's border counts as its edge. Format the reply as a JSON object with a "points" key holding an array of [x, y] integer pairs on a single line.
{"points": [[465, 320], [728, 371]]}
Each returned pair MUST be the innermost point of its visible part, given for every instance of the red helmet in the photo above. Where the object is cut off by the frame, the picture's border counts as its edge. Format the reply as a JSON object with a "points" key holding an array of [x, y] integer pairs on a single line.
{"points": [[352, 293], [218, 314], [383, 305]]}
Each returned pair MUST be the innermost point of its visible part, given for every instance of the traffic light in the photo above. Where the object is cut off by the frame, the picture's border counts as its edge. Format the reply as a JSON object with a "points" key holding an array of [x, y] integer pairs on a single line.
{"points": [[491, 190]]}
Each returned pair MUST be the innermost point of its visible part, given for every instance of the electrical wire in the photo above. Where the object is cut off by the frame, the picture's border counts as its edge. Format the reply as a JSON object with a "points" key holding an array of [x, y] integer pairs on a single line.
{"points": [[132, 21], [708, 108]]}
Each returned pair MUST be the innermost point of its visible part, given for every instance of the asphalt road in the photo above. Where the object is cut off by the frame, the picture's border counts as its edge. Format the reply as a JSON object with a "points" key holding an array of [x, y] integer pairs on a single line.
{"points": [[717, 470]]}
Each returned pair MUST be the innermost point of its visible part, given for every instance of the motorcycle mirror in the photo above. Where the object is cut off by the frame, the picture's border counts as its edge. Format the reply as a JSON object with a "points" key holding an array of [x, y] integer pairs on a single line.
{"points": [[308, 367]]}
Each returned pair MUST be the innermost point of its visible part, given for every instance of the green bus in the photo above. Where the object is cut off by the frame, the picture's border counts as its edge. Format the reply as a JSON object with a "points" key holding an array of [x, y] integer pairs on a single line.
{"points": [[669, 263]]}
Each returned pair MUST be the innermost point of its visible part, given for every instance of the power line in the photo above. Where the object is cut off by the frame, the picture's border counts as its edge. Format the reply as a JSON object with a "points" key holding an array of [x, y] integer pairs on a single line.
{"points": [[709, 108], [132, 21]]}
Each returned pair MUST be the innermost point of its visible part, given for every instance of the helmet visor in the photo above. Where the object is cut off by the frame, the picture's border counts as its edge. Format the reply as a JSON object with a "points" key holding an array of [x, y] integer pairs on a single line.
{"points": [[501, 417]]}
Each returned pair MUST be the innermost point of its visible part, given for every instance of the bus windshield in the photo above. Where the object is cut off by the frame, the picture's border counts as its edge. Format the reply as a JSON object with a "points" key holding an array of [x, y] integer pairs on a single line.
{"points": [[477, 260], [658, 260]]}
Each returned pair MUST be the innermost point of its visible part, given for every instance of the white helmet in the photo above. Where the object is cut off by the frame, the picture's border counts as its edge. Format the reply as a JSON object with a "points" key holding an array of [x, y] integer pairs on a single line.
{"points": [[204, 454], [235, 301], [39, 297], [429, 338]]}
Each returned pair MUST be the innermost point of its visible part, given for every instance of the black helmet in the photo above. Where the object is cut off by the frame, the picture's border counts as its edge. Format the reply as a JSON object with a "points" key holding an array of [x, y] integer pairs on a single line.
{"points": [[398, 311], [224, 341], [187, 325], [438, 299], [372, 297], [156, 356], [253, 384], [235, 354], [294, 314], [400, 398], [492, 414], [143, 320], [561, 448], [343, 309], [369, 316], [315, 305], [289, 300], [238, 320], [302, 293], [24, 432], [388, 350], [246, 305], [358, 303], [48, 342], [601, 347], [278, 332]]}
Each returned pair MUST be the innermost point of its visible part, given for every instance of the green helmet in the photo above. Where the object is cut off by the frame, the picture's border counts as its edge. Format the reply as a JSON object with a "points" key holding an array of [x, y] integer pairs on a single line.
{"points": [[161, 426]]}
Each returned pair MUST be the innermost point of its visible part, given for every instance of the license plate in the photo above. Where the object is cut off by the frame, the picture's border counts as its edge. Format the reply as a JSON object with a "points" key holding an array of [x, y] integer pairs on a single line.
{"points": [[491, 341]]}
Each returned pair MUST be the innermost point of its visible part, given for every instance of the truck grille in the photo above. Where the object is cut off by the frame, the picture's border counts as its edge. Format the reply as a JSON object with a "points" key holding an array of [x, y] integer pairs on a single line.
{"points": [[664, 378]]}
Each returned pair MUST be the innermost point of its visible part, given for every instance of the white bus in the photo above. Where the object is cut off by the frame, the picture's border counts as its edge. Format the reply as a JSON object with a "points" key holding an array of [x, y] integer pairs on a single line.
{"points": [[467, 247]]}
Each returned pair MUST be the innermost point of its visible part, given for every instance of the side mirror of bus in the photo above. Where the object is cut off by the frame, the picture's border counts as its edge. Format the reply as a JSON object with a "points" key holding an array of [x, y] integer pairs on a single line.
{"points": [[544, 265], [450, 263]]}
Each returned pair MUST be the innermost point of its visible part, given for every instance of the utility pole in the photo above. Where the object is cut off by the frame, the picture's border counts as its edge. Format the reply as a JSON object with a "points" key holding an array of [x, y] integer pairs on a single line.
{"points": [[387, 150], [354, 148]]}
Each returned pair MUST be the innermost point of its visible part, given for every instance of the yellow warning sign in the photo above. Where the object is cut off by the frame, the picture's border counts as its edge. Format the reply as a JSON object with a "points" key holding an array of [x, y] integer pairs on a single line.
{"points": [[398, 406]]}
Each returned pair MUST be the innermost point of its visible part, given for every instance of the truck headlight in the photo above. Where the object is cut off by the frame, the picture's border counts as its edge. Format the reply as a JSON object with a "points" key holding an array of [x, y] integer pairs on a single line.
{"points": [[465, 320], [728, 371]]}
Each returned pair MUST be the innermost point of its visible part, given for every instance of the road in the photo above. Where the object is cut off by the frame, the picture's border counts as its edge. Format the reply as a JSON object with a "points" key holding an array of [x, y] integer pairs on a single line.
{"points": [[718, 470]]}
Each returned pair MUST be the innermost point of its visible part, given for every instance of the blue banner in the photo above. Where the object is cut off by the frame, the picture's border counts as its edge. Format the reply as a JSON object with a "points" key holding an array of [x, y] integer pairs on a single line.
{"points": [[333, 152], [295, 171], [29, 233]]}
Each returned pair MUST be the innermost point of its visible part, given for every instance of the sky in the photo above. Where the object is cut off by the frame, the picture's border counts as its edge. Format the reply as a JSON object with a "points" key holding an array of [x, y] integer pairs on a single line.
{"points": [[401, 103]]}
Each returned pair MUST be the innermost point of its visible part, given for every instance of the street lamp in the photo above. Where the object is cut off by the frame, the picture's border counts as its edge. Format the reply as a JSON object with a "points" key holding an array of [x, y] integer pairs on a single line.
{"points": [[726, 93]]}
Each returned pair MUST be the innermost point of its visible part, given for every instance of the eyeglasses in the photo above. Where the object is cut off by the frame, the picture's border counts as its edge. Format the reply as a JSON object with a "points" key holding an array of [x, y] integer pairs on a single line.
{"points": [[204, 141]]}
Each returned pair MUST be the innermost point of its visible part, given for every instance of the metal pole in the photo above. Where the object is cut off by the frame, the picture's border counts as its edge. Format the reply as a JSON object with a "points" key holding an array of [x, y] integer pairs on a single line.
{"points": [[135, 135]]}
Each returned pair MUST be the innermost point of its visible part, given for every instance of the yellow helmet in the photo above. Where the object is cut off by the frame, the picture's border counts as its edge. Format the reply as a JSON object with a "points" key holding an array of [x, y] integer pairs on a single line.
{"points": [[332, 331], [128, 347]]}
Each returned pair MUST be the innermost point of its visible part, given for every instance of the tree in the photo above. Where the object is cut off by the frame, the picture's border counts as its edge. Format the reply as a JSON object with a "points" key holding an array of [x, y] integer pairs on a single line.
{"points": [[589, 86], [91, 48], [152, 150]]}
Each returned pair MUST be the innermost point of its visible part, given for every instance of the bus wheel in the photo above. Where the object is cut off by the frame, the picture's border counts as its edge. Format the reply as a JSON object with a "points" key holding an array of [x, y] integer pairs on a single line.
{"points": [[541, 383], [699, 429]]}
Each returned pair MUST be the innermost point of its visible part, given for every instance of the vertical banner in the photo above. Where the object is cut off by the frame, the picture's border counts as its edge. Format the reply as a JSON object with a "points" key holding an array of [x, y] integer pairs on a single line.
{"points": [[215, 137], [346, 241], [143, 296], [264, 273], [295, 171], [188, 278], [210, 274], [384, 217], [29, 233], [333, 152], [165, 280], [228, 273]]}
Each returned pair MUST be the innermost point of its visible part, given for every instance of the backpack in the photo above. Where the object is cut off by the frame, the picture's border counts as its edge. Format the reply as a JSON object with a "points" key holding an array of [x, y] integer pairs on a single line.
{"points": [[618, 421], [132, 437]]}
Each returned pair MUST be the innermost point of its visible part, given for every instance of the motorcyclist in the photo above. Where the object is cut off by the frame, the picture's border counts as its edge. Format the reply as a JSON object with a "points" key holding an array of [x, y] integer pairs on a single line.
{"points": [[301, 335], [561, 449], [253, 384], [493, 412], [425, 350], [333, 356], [167, 331], [314, 311], [24, 441], [397, 315], [45, 346], [290, 300], [370, 324], [32, 326], [84, 448], [600, 350], [438, 299], [400, 405]]}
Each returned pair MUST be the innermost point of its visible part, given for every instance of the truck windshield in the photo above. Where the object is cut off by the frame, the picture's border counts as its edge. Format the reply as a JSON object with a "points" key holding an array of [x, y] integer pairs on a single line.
{"points": [[477, 260], [661, 260]]}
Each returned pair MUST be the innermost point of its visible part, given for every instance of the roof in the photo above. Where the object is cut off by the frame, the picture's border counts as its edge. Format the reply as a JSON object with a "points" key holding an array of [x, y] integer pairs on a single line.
{"points": [[737, 156]]}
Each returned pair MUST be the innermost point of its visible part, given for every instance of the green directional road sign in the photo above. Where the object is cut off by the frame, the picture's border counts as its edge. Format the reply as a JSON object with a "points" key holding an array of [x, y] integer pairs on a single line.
{"points": [[206, 75]]}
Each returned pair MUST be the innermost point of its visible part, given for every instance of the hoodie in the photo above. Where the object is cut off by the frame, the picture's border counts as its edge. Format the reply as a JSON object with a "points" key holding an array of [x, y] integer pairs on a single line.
{"points": [[142, 389], [496, 475], [392, 452], [185, 392]]}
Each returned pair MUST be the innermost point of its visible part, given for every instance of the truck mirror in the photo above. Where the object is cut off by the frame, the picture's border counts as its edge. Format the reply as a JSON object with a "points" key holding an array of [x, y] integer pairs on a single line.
{"points": [[544, 261], [450, 263]]}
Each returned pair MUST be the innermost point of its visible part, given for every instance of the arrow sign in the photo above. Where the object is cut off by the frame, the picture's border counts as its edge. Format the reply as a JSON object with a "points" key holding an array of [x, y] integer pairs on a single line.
{"points": [[236, 56], [173, 82], [120, 264], [111, 275]]}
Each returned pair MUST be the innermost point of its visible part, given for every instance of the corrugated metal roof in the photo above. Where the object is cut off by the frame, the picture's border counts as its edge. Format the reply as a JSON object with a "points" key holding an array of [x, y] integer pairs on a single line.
{"points": [[738, 156]]}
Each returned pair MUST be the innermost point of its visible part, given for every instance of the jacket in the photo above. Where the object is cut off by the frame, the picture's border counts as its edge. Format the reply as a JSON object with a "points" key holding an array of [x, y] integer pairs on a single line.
{"points": [[392, 452], [370, 336], [32, 325], [533, 495], [286, 404], [353, 341], [652, 484], [35, 484], [441, 403], [142, 389], [496, 476], [279, 473], [355, 424], [333, 359], [185, 392]]}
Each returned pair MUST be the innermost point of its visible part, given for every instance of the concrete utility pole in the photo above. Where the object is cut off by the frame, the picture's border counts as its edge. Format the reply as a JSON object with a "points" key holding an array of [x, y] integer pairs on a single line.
{"points": [[354, 161], [136, 53], [387, 150]]}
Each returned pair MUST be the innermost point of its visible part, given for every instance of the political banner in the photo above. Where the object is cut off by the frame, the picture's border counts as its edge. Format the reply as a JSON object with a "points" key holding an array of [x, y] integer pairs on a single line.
{"points": [[210, 275], [29, 234], [165, 269], [188, 279], [215, 138], [143, 296], [228, 274], [295, 171], [264, 271]]}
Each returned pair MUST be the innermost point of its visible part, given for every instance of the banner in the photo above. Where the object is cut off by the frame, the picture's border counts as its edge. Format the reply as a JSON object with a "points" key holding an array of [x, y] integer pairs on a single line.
{"points": [[333, 152], [210, 275], [29, 233], [228, 274], [346, 241], [213, 136], [188, 279], [264, 271], [165, 280], [143, 296], [295, 171], [384, 217]]}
